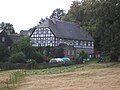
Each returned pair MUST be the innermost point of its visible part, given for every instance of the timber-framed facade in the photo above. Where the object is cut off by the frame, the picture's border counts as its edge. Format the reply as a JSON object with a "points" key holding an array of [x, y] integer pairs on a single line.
{"points": [[54, 32]]}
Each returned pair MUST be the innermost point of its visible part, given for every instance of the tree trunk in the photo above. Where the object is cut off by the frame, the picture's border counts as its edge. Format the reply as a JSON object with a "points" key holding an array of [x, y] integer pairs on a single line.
{"points": [[114, 58]]}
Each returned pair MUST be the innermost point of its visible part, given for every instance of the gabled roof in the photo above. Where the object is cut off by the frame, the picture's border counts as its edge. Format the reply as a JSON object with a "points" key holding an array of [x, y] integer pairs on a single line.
{"points": [[14, 37], [68, 30], [8, 40]]}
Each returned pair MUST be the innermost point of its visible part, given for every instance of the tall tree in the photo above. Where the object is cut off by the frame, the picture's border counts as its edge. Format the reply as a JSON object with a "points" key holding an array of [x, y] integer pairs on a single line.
{"points": [[7, 27], [58, 14], [102, 19], [82, 13], [108, 29]]}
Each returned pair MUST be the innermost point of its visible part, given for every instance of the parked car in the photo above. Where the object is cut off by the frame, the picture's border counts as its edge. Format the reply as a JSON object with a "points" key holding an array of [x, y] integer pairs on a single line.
{"points": [[60, 61]]}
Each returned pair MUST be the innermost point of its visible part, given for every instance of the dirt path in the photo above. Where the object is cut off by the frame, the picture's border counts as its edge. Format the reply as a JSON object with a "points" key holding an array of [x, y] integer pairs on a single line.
{"points": [[97, 79]]}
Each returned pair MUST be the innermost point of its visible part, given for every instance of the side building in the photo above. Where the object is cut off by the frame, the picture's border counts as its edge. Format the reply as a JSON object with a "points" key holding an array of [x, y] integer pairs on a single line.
{"points": [[57, 33], [8, 39]]}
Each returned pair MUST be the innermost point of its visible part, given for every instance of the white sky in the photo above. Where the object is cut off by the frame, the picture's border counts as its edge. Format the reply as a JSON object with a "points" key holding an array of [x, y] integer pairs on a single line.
{"points": [[24, 14]]}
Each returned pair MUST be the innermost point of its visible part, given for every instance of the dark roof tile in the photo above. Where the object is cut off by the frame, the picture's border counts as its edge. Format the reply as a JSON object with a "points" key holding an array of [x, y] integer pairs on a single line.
{"points": [[68, 30]]}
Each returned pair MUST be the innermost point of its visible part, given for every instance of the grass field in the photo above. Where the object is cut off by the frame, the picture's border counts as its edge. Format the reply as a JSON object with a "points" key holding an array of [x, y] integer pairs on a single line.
{"points": [[88, 76]]}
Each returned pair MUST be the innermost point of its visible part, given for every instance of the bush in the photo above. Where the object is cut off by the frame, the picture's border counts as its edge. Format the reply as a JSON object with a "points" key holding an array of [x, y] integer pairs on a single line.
{"points": [[18, 58], [83, 55], [31, 63], [79, 58], [59, 53], [38, 57]]}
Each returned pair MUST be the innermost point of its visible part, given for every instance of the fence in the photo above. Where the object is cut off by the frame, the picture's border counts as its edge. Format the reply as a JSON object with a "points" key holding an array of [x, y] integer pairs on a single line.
{"points": [[8, 66]]}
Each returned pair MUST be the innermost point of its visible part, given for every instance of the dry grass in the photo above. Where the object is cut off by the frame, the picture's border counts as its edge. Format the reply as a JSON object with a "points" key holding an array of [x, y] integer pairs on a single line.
{"points": [[107, 78], [4, 75]]}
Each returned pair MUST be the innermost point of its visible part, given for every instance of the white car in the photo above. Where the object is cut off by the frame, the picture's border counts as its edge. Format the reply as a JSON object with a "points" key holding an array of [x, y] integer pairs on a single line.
{"points": [[61, 61]]}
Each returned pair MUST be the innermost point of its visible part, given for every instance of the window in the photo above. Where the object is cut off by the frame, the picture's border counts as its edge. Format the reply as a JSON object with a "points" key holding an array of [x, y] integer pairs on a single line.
{"points": [[85, 43], [3, 39], [92, 44], [68, 52], [81, 43], [76, 43], [49, 31], [88, 43], [72, 52]]}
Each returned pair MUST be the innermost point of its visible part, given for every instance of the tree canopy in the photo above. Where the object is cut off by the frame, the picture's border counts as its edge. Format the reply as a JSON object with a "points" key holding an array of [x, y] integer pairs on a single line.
{"points": [[23, 45], [7, 27], [101, 18], [58, 14]]}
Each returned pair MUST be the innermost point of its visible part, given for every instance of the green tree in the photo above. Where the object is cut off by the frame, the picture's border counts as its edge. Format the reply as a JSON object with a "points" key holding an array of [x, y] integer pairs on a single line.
{"points": [[101, 18], [18, 58], [4, 53], [7, 27], [59, 53], [83, 13], [108, 30], [24, 45], [58, 14]]}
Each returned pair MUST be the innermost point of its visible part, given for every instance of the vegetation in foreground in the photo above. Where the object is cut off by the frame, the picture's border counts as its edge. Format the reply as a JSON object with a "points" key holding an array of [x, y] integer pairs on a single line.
{"points": [[18, 76]]}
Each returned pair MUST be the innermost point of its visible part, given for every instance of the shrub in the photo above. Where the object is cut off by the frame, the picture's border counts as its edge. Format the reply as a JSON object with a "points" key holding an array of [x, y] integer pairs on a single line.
{"points": [[79, 58], [31, 63], [83, 55], [18, 58], [59, 53], [38, 57]]}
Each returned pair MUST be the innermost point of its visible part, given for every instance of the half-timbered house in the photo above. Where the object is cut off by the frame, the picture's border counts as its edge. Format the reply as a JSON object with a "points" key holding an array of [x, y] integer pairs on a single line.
{"points": [[55, 32]]}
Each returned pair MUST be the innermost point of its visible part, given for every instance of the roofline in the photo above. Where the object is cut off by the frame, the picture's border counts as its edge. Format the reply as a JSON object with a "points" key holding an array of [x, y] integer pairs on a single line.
{"points": [[57, 36]]}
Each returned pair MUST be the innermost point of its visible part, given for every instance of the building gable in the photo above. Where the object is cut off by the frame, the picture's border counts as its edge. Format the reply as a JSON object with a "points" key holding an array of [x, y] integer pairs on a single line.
{"points": [[42, 37], [5, 39]]}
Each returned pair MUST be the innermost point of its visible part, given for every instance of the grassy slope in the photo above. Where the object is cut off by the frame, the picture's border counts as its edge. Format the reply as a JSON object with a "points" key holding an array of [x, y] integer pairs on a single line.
{"points": [[76, 74]]}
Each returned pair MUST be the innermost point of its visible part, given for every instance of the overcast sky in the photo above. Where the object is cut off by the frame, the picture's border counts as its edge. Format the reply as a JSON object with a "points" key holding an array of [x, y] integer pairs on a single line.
{"points": [[24, 14]]}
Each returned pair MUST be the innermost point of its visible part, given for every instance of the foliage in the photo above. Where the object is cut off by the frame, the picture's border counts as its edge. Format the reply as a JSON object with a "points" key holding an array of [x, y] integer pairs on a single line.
{"points": [[7, 27], [83, 14], [48, 69], [31, 63], [79, 58], [59, 53], [30, 52], [24, 45], [58, 14], [83, 54], [108, 27], [101, 19], [47, 51], [14, 78], [38, 57], [4, 53], [18, 58]]}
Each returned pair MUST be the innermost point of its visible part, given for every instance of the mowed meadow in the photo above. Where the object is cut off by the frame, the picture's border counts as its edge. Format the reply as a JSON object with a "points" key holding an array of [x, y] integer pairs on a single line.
{"points": [[87, 76]]}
